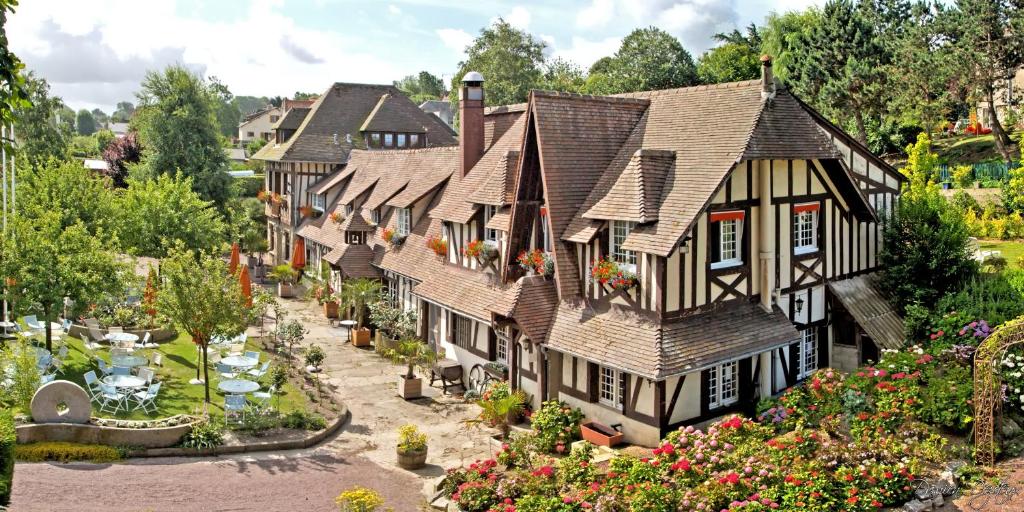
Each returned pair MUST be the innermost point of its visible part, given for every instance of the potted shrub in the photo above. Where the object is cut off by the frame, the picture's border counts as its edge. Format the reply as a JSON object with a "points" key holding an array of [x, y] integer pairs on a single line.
{"points": [[500, 408], [285, 276], [357, 294], [600, 434], [393, 324], [323, 294], [314, 358], [412, 448], [411, 352]]}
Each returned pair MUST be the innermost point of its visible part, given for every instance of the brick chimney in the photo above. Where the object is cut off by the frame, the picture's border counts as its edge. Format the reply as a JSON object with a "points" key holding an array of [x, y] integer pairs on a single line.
{"points": [[471, 120], [767, 78]]}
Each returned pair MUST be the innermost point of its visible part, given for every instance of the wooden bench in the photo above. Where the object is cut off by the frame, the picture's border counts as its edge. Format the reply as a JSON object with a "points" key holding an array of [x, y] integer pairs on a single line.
{"points": [[450, 373]]}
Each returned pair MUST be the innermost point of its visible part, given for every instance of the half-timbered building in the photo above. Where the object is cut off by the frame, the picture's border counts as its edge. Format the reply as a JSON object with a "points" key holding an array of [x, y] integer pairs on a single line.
{"points": [[746, 227]]}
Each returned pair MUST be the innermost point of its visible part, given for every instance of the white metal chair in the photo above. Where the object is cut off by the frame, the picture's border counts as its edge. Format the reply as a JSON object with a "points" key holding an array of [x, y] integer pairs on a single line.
{"points": [[147, 398], [122, 371], [158, 359], [47, 378], [89, 343], [234, 407], [102, 365], [110, 396], [253, 354], [226, 371], [115, 329], [147, 341], [258, 373], [32, 323], [262, 398], [236, 349], [147, 375], [92, 384]]}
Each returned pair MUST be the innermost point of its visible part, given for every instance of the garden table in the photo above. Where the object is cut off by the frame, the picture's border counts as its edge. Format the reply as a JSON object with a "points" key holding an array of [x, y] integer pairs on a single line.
{"points": [[124, 381], [121, 337], [238, 386], [239, 361], [350, 325], [128, 361], [6, 326]]}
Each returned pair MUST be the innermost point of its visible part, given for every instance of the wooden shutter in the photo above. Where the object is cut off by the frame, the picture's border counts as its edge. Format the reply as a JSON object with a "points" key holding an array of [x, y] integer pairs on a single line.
{"points": [[715, 241]]}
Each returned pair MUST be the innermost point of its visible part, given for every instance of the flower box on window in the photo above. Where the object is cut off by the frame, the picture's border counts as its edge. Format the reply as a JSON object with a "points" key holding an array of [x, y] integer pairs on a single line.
{"points": [[482, 251], [438, 245], [306, 211], [392, 237], [336, 217], [536, 261], [608, 272]]}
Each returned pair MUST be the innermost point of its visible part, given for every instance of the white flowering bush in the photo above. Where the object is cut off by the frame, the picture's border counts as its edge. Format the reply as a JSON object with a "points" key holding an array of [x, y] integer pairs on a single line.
{"points": [[1012, 373]]}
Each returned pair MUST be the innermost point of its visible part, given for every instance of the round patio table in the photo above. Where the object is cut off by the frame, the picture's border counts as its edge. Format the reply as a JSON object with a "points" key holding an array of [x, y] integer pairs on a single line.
{"points": [[128, 361], [6, 326], [239, 361], [348, 324], [121, 337], [124, 381], [238, 386]]}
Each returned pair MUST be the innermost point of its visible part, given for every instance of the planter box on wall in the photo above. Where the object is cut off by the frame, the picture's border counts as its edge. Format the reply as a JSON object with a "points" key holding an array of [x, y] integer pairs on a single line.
{"points": [[599, 434]]}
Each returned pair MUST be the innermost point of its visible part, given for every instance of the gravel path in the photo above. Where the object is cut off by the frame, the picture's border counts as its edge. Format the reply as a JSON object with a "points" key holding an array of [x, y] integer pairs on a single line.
{"points": [[298, 481]]}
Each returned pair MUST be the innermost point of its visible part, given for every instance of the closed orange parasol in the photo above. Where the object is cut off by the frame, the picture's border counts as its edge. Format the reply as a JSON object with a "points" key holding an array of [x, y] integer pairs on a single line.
{"points": [[233, 262], [243, 277], [299, 254]]}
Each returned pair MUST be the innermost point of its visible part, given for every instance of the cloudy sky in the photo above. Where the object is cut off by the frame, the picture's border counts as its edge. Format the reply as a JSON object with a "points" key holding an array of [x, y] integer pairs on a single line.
{"points": [[95, 52]]}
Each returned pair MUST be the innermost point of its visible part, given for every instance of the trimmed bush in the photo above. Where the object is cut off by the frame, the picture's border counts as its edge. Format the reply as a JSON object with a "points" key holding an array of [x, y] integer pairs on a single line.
{"points": [[65, 452], [7, 442]]}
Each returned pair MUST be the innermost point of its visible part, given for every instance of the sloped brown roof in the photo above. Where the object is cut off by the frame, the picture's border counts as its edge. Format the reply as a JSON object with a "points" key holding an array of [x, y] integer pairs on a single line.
{"points": [[466, 291], [292, 119], [577, 136], [328, 182], [862, 298], [354, 260], [458, 205], [498, 187], [635, 195], [355, 222], [531, 302], [417, 188], [358, 186], [341, 111], [500, 220], [623, 340], [399, 114], [413, 258]]}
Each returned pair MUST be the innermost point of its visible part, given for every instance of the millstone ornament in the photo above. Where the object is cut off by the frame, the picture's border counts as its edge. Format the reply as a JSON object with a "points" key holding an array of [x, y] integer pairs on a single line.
{"points": [[61, 401]]}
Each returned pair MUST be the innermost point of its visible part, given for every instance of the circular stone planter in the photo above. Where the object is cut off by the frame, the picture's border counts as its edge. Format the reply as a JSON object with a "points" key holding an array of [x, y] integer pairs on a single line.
{"points": [[158, 437], [159, 335], [412, 459]]}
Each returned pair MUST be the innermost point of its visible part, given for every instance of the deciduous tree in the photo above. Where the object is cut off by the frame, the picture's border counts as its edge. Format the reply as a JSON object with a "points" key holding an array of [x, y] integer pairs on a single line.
{"points": [[650, 59], [730, 62], [510, 59], [70, 193], [119, 154], [421, 87], [160, 214], [42, 127], [85, 123]]}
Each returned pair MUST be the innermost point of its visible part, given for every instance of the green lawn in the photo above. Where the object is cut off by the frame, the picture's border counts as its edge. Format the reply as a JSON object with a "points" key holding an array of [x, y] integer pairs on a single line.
{"points": [[1012, 250], [177, 396], [970, 149]]}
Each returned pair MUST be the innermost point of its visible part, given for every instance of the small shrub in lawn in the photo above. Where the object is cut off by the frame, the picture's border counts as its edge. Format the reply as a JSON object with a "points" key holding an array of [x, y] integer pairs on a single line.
{"points": [[259, 422], [279, 376], [65, 452], [204, 435], [304, 421]]}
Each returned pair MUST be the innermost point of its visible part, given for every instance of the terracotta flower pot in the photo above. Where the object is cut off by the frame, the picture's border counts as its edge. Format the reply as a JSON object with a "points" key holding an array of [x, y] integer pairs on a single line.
{"points": [[331, 309], [361, 337], [600, 435], [412, 459]]}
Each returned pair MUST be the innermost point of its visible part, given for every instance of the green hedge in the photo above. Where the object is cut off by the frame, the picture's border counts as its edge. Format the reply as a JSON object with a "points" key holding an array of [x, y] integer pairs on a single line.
{"points": [[60, 451], [7, 441], [249, 186]]}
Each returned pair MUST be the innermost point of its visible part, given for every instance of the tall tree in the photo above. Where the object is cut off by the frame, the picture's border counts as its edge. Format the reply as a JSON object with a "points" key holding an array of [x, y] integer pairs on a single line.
{"points": [[50, 262], [101, 118], [160, 214], [924, 60], [41, 131], [70, 192], [751, 36], [180, 132], [201, 297], [119, 154], [841, 67], [729, 62], [14, 95], [989, 48], [650, 59], [299, 95], [85, 123], [562, 75], [422, 87], [783, 34], [124, 112], [224, 107], [510, 59]]}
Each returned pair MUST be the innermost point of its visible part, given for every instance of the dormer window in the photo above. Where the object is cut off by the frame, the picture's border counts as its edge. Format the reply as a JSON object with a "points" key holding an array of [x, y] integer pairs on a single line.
{"points": [[545, 234], [375, 216], [389, 140], [490, 235], [414, 140], [318, 201], [348, 210], [403, 221], [805, 228], [620, 230], [726, 239], [401, 140]]}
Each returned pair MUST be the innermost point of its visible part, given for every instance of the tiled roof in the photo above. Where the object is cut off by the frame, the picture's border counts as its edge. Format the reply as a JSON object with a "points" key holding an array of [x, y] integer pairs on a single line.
{"points": [[328, 182], [624, 340], [256, 113], [292, 119], [401, 168], [531, 302], [501, 219], [458, 206], [341, 111], [417, 188], [413, 258], [396, 113], [577, 136], [635, 194], [355, 222], [464, 290], [358, 186], [354, 260], [862, 298], [498, 187]]}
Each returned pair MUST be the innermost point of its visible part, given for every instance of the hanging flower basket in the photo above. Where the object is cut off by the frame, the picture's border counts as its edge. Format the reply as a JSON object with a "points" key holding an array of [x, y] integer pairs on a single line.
{"points": [[306, 211], [263, 196], [336, 217], [392, 238], [438, 245], [537, 261], [482, 251], [607, 272]]}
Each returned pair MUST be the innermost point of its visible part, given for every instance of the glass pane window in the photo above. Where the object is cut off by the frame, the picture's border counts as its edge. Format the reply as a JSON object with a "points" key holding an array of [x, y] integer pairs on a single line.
{"points": [[620, 230], [414, 139], [462, 331], [611, 387], [808, 352], [375, 137], [805, 230], [389, 140], [723, 385], [401, 140], [404, 221], [501, 349], [318, 202], [375, 216], [728, 240], [490, 234]]}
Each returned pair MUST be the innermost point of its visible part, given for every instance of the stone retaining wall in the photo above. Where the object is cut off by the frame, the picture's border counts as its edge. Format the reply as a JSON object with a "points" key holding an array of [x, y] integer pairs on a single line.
{"points": [[159, 335], [159, 437]]}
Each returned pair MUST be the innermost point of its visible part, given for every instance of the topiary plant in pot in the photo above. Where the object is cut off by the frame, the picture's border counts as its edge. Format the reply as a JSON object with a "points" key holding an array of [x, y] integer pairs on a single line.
{"points": [[285, 276], [412, 447], [412, 352]]}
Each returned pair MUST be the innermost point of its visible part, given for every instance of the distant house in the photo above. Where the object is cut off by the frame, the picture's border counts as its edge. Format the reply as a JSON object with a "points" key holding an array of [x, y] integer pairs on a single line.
{"points": [[260, 123], [95, 165], [439, 108], [235, 154], [119, 129], [1007, 96]]}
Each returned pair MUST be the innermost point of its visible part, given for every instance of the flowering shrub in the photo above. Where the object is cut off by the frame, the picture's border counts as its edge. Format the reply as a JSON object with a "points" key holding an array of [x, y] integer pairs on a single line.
{"points": [[536, 260], [438, 245], [556, 425], [336, 217], [607, 271], [392, 237], [474, 248], [1011, 369]]}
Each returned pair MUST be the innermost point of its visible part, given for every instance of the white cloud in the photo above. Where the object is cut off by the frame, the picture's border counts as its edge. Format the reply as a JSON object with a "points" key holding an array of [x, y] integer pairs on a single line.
{"points": [[394, 9], [455, 38], [597, 15], [585, 52], [519, 17]]}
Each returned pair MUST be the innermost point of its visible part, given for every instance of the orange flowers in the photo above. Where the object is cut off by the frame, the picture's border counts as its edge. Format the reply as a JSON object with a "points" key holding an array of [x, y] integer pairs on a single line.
{"points": [[438, 245]]}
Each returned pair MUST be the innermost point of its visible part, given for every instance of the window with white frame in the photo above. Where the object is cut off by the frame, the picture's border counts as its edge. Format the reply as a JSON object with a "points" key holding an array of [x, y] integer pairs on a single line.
{"points": [[318, 202], [461, 331], [375, 216], [611, 387], [490, 235], [620, 230], [723, 385], [403, 221], [805, 228], [501, 348], [391, 292], [375, 137], [389, 140], [545, 235], [808, 360], [726, 239], [401, 140]]}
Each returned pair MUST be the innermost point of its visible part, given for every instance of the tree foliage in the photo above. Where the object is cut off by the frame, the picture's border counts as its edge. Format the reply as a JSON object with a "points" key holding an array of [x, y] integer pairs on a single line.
{"points": [[648, 59], [160, 214], [70, 194], [124, 112], [202, 298], [510, 59], [42, 126], [562, 75], [178, 127], [225, 109], [14, 96], [422, 87], [119, 155], [730, 62], [85, 123]]}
